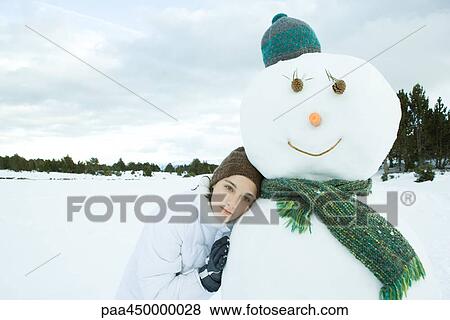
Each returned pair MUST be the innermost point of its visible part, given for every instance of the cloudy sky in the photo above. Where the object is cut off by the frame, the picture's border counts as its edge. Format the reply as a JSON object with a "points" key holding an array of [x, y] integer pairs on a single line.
{"points": [[193, 59]]}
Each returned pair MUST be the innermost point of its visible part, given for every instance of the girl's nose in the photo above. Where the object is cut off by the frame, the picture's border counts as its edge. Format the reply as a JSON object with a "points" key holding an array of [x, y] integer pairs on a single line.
{"points": [[232, 202], [314, 119]]}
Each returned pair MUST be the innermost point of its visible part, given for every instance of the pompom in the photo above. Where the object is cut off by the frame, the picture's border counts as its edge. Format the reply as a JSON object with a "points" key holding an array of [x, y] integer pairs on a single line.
{"points": [[278, 16]]}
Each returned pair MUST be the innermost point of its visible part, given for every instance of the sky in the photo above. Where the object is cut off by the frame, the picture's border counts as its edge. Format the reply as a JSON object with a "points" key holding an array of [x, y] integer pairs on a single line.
{"points": [[192, 59]]}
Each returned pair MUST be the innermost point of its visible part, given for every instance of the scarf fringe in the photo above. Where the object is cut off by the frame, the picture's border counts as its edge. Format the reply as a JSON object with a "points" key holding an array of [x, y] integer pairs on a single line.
{"points": [[413, 271], [298, 219]]}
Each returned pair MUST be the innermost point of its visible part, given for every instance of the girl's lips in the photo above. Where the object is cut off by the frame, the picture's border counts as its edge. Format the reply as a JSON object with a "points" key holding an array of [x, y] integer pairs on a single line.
{"points": [[226, 211]]}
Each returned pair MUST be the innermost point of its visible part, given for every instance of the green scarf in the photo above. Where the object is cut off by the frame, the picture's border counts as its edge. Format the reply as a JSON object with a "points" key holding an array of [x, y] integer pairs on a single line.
{"points": [[368, 236]]}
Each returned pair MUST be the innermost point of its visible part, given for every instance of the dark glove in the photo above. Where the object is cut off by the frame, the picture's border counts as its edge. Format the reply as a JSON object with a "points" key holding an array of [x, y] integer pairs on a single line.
{"points": [[211, 272]]}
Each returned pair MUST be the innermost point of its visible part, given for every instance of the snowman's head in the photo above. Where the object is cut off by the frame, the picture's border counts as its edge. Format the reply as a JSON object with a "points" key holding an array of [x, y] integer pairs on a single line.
{"points": [[317, 133]]}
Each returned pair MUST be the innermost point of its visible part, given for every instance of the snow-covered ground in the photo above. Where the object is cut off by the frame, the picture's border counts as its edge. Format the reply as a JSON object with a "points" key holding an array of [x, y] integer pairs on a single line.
{"points": [[89, 257]]}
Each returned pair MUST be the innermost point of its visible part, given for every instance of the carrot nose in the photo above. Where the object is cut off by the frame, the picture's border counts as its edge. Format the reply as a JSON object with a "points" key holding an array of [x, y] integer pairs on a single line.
{"points": [[314, 119]]}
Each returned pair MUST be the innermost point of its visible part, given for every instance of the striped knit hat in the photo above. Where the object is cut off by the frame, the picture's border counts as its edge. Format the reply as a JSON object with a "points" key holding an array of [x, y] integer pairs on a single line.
{"points": [[237, 163], [287, 38]]}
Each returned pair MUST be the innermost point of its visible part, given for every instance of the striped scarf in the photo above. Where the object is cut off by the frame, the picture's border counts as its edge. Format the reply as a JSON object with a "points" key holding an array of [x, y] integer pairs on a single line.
{"points": [[368, 236]]}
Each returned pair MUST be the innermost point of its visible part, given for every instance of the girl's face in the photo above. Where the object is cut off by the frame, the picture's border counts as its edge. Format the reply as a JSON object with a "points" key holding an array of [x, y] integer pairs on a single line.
{"points": [[233, 196]]}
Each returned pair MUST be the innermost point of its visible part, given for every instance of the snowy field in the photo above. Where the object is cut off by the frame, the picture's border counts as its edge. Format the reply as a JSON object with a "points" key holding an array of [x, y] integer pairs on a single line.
{"points": [[89, 258]]}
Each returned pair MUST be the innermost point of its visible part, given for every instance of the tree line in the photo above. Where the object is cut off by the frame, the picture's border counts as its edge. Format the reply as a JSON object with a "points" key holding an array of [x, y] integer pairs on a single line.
{"points": [[92, 166]]}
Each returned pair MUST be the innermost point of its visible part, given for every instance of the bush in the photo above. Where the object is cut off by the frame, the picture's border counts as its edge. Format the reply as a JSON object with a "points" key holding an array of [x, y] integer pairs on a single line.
{"points": [[424, 173]]}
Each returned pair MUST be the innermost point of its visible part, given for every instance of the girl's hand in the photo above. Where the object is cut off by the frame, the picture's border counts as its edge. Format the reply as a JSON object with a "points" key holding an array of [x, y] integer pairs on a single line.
{"points": [[211, 272]]}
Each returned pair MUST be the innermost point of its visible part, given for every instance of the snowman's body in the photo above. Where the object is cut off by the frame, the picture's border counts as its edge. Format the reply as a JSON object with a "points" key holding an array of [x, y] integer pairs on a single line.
{"points": [[268, 261], [356, 132]]}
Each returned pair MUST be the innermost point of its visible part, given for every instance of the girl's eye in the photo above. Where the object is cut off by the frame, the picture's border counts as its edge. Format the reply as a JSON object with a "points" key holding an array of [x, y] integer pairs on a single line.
{"points": [[247, 199], [228, 187]]}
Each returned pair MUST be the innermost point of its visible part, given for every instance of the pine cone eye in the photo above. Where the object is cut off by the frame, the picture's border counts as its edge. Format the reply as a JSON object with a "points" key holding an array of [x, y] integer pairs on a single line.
{"points": [[339, 86], [296, 82], [297, 85]]}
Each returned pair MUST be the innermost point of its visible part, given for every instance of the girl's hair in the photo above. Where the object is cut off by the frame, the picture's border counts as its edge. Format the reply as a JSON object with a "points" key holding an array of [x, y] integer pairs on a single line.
{"points": [[210, 189]]}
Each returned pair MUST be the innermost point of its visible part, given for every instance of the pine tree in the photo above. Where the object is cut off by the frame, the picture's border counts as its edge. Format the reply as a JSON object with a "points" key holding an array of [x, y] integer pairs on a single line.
{"points": [[446, 138], [119, 165], [2, 163], [17, 163], [68, 164], [419, 108], [195, 167], [437, 130], [399, 149], [147, 169], [92, 166], [169, 168]]}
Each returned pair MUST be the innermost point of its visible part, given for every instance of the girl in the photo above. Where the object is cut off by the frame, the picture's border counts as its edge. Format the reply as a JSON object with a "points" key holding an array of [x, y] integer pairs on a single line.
{"points": [[185, 260]]}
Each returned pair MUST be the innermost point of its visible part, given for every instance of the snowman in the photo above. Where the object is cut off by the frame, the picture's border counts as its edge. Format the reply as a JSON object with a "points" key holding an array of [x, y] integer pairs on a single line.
{"points": [[318, 126]]}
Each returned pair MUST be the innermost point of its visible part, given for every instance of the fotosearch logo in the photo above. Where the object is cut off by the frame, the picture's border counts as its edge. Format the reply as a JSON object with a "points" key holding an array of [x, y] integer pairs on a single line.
{"points": [[184, 208], [77, 203]]}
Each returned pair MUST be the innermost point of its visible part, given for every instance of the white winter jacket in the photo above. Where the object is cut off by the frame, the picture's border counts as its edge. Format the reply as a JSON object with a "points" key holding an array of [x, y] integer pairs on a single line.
{"points": [[165, 262]]}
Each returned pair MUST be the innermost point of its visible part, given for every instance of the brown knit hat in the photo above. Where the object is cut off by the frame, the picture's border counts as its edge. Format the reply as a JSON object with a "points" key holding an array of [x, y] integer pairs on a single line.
{"points": [[237, 163]]}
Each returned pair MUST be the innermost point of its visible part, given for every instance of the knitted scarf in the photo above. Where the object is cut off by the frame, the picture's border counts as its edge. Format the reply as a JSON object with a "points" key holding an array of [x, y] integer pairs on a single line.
{"points": [[366, 234]]}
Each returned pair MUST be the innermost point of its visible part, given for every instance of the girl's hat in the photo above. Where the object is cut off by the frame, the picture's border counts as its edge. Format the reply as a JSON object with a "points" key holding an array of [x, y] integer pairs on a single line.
{"points": [[237, 163]]}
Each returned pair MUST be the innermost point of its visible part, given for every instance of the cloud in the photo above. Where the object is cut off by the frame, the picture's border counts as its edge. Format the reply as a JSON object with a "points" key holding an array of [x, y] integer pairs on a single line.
{"points": [[192, 61]]}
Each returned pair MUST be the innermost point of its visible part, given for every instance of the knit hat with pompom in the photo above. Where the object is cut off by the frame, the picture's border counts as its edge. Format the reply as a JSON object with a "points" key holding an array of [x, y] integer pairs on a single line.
{"points": [[287, 38]]}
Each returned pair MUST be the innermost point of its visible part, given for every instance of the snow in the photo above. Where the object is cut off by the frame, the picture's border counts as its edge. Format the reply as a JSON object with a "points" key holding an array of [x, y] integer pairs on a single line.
{"points": [[34, 228], [429, 216]]}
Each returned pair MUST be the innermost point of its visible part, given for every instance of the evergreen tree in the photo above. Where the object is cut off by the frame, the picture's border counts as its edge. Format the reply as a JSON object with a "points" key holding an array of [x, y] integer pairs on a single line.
{"points": [[119, 165], [436, 132], [195, 167], [399, 149], [131, 166], [147, 169], [68, 165], [92, 166], [3, 163], [169, 168], [17, 163], [419, 109]]}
